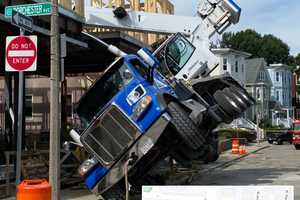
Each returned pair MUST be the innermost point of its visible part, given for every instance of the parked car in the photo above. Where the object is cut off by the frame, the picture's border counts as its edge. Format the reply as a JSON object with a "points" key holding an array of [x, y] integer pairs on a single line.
{"points": [[279, 138]]}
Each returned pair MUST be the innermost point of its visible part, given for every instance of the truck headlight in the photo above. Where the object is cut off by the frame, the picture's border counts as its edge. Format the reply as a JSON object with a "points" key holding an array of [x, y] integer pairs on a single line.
{"points": [[141, 107], [86, 166]]}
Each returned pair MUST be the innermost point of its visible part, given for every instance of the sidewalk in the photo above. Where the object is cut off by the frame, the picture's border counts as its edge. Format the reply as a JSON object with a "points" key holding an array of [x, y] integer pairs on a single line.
{"points": [[180, 177], [227, 158], [185, 176]]}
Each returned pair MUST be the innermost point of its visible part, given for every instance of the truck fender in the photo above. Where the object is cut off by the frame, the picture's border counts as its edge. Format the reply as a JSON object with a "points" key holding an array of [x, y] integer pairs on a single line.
{"points": [[194, 108]]}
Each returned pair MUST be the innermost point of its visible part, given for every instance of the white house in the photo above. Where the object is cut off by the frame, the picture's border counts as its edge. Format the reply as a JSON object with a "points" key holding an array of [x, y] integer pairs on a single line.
{"points": [[232, 62], [281, 92]]}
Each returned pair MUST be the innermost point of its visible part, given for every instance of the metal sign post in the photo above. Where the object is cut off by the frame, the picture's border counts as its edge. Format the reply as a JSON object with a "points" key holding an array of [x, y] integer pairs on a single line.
{"points": [[20, 123], [54, 161], [21, 55]]}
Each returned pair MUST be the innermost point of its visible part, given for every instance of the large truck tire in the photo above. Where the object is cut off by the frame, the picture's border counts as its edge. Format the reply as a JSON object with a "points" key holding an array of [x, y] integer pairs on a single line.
{"points": [[192, 145], [243, 95], [185, 127], [228, 104], [241, 103]]}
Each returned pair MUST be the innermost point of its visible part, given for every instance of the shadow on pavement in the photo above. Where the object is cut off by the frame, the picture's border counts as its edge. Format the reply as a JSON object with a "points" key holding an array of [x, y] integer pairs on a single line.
{"points": [[241, 176]]}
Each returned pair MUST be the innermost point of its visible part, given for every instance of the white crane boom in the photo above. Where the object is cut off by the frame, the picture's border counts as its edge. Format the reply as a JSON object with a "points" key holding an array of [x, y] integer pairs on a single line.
{"points": [[213, 16]]}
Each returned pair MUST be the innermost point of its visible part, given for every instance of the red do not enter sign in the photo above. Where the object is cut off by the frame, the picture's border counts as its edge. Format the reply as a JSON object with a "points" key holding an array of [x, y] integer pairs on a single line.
{"points": [[21, 53]]}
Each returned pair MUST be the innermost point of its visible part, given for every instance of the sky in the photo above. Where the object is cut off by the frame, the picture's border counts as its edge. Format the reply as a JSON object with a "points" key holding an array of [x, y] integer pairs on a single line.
{"points": [[278, 17]]}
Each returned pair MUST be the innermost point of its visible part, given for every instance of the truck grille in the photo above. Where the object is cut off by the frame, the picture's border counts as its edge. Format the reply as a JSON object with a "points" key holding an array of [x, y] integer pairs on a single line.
{"points": [[110, 135]]}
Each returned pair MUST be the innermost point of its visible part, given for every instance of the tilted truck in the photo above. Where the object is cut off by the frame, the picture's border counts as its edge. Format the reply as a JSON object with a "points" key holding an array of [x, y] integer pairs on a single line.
{"points": [[133, 120], [187, 61], [185, 117]]}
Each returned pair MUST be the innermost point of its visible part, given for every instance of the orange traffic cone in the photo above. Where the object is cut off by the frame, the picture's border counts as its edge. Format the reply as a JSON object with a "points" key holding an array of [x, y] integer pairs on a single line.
{"points": [[242, 150], [235, 146]]}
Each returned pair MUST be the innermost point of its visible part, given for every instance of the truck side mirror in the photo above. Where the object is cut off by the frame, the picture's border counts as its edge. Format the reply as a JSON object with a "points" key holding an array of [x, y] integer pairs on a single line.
{"points": [[147, 56], [150, 59]]}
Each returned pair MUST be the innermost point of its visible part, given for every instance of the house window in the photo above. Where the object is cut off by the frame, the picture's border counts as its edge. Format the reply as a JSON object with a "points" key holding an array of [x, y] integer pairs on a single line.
{"points": [[283, 77], [261, 76], [242, 68], [286, 77], [236, 66], [28, 106], [277, 95], [258, 94], [277, 76], [225, 64], [69, 105]]}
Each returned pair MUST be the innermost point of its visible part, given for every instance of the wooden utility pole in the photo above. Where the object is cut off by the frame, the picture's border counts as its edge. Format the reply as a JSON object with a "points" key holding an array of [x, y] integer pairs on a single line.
{"points": [[54, 165]]}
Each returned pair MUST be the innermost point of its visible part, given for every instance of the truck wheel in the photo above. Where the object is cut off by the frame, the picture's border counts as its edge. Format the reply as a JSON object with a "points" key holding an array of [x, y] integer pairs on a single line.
{"points": [[114, 193], [244, 96], [242, 104], [227, 104], [185, 127], [297, 146]]}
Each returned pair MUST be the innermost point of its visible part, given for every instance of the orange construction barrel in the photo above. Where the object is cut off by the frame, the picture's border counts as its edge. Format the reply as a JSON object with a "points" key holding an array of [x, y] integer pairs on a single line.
{"points": [[235, 146], [37, 189]]}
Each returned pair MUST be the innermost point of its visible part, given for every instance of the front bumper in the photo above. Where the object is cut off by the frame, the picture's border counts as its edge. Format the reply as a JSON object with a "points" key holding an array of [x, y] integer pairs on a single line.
{"points": [[139, 149]]}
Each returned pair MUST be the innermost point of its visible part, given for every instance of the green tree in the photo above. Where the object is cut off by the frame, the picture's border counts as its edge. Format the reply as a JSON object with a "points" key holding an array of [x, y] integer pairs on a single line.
{"points": [[291, 61], [248, 40], [273, 49]]}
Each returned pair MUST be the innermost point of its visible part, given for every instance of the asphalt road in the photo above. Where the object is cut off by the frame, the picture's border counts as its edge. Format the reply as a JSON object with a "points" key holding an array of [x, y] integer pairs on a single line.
{"points": [[277, 165]]}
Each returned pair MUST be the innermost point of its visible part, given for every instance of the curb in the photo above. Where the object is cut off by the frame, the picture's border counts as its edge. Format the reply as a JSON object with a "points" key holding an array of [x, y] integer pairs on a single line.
{"points": [[232, 161], [225, 164]]}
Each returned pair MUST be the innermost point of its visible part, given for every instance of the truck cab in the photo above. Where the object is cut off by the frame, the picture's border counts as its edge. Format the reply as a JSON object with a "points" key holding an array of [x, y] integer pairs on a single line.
{"points": [[296, 134], [129, 125]]}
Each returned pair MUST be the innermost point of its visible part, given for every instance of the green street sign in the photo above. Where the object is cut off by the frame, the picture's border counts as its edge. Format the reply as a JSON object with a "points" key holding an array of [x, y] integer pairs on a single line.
{"points": [[36, 9]]}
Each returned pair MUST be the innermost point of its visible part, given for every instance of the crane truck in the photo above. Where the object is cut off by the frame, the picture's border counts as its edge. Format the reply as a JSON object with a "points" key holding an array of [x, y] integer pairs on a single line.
{"points": [[145, 114], [186, 59]]}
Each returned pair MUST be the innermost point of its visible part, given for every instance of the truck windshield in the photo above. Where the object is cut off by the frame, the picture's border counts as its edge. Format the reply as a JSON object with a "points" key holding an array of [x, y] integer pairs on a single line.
{"points": [[297, 127], [102, 91], [178, 52]]}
